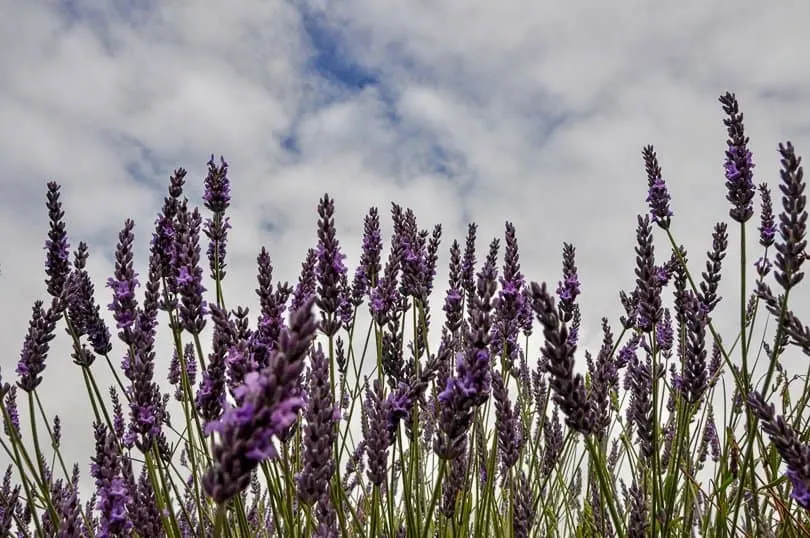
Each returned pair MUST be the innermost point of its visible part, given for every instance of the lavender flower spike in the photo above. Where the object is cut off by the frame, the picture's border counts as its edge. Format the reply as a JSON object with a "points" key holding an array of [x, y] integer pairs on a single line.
{"points": [[57, 265], [36, 346], [658, 196], [269, 405], [790, 249], [319, 434], [112, 492], [739, 165], [569, 389]]}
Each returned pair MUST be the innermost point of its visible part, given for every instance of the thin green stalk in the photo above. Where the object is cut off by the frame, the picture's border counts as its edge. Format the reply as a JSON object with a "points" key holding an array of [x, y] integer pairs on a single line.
{"points": [[608, 493], [434, 498]]}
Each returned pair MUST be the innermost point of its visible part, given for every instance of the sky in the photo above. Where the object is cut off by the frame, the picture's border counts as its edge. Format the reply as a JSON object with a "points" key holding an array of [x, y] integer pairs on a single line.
{"points": [[463, 110]]}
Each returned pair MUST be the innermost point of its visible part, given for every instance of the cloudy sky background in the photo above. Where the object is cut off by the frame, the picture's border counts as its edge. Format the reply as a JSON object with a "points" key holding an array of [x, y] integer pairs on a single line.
{"points": [[532, 112]]}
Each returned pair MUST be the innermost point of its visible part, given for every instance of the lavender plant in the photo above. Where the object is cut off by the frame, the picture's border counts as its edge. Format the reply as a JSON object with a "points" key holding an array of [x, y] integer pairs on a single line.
{"points": [[356, 408]]}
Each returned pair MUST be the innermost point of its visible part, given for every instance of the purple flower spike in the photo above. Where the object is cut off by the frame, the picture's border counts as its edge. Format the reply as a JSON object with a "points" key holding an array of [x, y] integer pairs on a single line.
{"points": [[648, 281], [217, 197], [510, 303], [331, 270], [269, 405], [569, 389], [57, 265], [801, 487], [739, 165], [36, 345], [110, 486], [508, 424], [367, 274], [187, 271], [83, 312], [375, 433], [767, 227], [319, 434], [790, 250], [124, 304], [569, 289], [658, 197]]}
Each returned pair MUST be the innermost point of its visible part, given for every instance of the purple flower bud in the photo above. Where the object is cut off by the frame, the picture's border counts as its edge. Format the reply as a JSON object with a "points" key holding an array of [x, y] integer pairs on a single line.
{"points": [[217, 195], [123, 284], [319, 433], [711, 277], [767, 227], [365, 278], [13, 412], [36, 345], [792, 221], [57, 265], [112, 491], [376, 433], [569, 389], [738, 165], [658, 196], [269, 405], [187, 271], [648, 283], [331, 270]]}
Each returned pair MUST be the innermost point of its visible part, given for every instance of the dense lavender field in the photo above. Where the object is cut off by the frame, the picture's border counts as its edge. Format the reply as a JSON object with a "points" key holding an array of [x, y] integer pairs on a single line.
{"points": [[379, 403]]}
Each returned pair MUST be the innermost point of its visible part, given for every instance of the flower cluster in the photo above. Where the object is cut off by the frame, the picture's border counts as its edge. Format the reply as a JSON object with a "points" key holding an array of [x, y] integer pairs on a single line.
{"points": [[315, 415]]}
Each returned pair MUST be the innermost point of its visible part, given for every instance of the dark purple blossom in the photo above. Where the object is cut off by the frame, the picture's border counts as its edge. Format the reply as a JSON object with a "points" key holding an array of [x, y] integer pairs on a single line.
{"points": [[510, 303], [790, 250], [376, 433], [767, 227], [412, 245], [384, 297], [648, 283], [307, 281], [368, 271], [217, 198], [147, 411], [454, 299], [711, 276], [187, 273], [217, 195], [36, 345], [118, 415], [523, 512], [57, 264], [453, 484], [269, 405], [113, 495], [638, 526], [124, 283], [468, 263], [739, 165], [695, 374], [664, 334], [13, 412], [658, 195], [795, 453], [569, 288], [507, 424], [319, 434], [467, 389], [331, 270], [640, 410], [569, 389], [83, 312], [66, 501]]}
